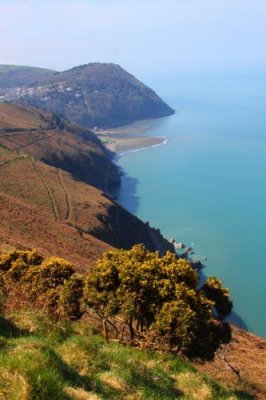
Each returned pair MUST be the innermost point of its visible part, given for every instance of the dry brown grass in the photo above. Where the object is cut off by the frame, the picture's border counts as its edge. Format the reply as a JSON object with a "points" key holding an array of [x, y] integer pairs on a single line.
{"points": [[113, 381], [28, 219], [37, 133], [81, 394], [192, 385], [21, 390], [247, 354], [13, 116]]}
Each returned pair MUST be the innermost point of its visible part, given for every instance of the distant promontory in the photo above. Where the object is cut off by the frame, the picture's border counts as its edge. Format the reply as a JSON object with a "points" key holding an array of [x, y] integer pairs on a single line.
{"points": [[92, 95]]}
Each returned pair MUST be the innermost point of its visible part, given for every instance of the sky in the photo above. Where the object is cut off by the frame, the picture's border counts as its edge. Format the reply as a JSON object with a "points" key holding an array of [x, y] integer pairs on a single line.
{"points": [[146, 37]]}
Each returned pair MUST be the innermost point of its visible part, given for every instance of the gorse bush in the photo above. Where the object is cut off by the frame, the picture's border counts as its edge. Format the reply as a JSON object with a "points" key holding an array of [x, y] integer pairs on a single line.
{"points": [[215, 291], [47, 283], [137, 295], [157, 300]]}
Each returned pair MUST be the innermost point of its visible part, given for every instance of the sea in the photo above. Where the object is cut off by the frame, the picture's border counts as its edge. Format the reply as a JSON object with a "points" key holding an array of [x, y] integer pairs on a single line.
{"points": [[206, 185]]}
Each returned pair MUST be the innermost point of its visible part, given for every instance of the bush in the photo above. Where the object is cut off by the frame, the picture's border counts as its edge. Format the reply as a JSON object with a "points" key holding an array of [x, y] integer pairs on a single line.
{"points": [[50, 283], [153, 296], [71, 298], [215, 291], [16, 262]]}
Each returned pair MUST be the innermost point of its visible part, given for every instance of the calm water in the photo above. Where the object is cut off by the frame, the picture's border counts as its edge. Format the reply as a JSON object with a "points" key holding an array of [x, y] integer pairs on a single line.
{"points": [[207, 184]]}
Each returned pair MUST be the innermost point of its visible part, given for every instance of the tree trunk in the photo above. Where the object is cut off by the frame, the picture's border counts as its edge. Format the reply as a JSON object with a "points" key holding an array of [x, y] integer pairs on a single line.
{"points": [[105, 331], [131, 329]]}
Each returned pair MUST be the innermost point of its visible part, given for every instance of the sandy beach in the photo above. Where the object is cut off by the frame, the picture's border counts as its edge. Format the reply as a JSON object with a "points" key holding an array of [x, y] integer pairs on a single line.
{"points": [[129, 138]]}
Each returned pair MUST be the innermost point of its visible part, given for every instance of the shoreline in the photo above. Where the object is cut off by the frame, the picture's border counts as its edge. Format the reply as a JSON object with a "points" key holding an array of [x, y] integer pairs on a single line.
{"points": [[162, 141], [132, 138], [129, 138]]}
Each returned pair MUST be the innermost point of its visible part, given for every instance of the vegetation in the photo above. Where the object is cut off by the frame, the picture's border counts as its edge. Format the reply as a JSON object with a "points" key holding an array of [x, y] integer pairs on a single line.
{"points": [[51, 284], [158, 301], [59, 143], [95, 94], [44, 360], [137, 295], [47, 351], [14, 75]]}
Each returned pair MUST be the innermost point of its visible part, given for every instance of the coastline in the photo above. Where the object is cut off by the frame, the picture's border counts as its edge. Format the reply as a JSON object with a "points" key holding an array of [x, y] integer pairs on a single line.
{"points": [[122, 145], [245, 356], [129, 138]]}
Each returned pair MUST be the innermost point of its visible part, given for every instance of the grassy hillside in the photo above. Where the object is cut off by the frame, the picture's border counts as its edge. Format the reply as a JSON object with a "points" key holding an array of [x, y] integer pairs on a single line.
{"points": [[95, 94], [40, 359]]}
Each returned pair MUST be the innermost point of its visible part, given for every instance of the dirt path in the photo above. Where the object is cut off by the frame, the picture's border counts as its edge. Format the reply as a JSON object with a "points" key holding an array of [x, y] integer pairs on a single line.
{"points": [[69, 212], [49, 192]]}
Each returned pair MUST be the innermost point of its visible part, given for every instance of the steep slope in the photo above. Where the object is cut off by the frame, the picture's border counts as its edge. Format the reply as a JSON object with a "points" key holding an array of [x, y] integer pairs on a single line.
{"points": [[41, 359], [102, 95], [241, 363], [45, 208], [58, 143]]}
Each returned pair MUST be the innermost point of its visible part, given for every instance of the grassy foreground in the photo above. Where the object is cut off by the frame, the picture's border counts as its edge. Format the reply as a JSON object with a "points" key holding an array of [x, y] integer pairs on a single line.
{"points": [[40, 359]]}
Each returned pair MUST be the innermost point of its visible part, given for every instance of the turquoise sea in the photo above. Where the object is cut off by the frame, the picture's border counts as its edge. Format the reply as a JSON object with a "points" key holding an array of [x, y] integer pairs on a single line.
{"points": [[207, 184]]}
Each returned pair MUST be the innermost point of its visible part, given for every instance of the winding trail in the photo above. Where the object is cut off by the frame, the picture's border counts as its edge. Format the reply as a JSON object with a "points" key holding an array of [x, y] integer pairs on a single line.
{"points": [[69, 212], [50, 194]]}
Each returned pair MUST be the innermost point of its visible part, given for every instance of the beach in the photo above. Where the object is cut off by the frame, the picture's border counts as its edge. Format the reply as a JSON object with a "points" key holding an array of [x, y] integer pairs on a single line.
{"points": [[129, 138]]}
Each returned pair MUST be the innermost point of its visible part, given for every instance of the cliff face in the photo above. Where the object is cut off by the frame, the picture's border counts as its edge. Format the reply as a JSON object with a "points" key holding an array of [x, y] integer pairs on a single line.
{"points": [[102, 95]]}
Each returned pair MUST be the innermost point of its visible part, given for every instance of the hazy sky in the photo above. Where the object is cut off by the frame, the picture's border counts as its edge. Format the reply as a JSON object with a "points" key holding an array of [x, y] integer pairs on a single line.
{"points": [[144, 36]]}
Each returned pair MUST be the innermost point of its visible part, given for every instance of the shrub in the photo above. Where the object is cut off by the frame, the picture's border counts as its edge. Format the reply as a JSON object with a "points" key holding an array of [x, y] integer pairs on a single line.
{"points": [[27, 277], [215, 291], [14, 259], [50, 274], [71, 297], [152, 296]]}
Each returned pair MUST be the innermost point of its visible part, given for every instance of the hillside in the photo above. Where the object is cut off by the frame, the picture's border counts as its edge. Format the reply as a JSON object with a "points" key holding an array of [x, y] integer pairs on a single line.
{"points": [[44, 360], [58, 143], [50, 322], [46, 208], [92, 95], [13, 76], [241, 362]]}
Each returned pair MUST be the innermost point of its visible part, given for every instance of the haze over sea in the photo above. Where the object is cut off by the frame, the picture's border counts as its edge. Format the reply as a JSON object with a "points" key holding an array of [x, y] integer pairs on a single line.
{"points": [[207, 184]]}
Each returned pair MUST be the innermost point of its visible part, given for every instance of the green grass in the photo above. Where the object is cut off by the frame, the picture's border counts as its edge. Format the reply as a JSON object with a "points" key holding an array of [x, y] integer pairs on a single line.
{"points": [[44, 360]]}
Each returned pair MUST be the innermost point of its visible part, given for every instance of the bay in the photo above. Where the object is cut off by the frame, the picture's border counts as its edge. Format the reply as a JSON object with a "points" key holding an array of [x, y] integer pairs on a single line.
{"points": [[207, 184]]}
